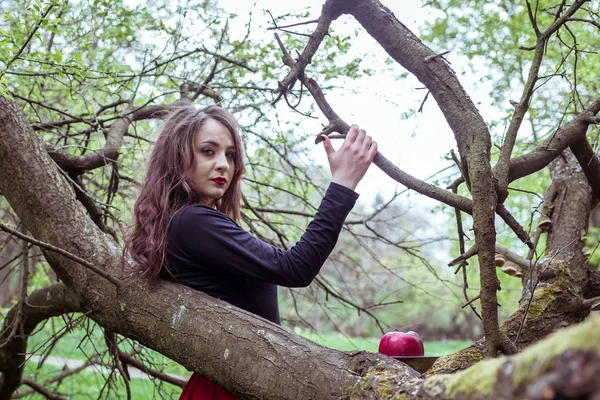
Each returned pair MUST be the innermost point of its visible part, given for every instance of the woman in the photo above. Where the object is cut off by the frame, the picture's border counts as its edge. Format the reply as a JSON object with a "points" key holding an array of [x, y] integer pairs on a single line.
{"points": [[187, 214]]}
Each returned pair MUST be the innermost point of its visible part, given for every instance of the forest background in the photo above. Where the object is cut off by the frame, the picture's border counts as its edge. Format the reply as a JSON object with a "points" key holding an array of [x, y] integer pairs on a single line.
{"points": [[76, 69]]}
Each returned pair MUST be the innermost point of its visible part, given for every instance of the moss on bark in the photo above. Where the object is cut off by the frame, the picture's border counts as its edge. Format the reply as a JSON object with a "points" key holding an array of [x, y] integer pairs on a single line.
{"points": [[510, 377]]}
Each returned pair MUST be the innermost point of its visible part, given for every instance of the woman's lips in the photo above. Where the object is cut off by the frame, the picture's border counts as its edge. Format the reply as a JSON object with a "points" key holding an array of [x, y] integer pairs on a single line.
{"points": [[219, 181]]}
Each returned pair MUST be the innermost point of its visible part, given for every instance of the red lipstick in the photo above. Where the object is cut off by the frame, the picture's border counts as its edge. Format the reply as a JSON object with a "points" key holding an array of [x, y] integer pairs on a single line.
{"points": [[219, 180]]}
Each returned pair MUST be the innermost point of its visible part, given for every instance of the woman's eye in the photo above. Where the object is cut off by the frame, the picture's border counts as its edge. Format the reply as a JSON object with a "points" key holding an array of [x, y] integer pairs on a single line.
{"points": [[231, 156], [207, 152]]}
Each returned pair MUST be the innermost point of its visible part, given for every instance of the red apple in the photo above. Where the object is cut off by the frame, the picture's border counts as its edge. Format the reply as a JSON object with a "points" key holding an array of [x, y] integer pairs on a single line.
{"points": [[402, 344]]}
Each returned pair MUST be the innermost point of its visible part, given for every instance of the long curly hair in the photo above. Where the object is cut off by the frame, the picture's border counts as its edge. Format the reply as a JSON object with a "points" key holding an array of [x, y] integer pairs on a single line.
{"points": [[168, 185]]}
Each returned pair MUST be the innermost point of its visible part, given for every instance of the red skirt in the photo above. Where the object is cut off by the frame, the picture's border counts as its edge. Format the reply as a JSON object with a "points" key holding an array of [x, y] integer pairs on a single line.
{"points": [[199, 388]]}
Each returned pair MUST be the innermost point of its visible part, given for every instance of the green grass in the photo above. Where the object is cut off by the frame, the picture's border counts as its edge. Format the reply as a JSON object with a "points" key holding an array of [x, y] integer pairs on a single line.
{"points": [[82, 342], [346, 343], [92, 385]]}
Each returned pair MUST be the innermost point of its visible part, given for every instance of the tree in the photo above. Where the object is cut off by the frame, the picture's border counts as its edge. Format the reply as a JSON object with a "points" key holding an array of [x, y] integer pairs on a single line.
{"points": [[43, 185]]}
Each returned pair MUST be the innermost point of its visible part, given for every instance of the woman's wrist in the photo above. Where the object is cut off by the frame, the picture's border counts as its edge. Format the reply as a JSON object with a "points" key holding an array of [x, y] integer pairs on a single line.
{"points": [[346, 182]]}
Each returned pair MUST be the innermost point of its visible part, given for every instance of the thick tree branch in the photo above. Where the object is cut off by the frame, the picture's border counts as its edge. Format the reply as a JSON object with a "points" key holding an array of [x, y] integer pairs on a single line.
{"points": [[185, 325], [568, 134], [470, 131], [97, 158], [590, 164]]}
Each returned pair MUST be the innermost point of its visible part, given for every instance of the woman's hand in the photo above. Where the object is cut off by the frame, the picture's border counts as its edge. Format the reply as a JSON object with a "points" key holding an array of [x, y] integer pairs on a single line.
{"points": [[350, 163]]}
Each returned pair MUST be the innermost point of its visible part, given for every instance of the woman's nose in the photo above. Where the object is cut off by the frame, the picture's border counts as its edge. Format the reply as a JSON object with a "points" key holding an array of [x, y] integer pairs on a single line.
{"points": [[222, 162]]}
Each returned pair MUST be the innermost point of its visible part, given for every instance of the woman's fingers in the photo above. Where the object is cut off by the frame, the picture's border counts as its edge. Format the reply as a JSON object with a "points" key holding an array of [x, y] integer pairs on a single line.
{"points": [[351, 135], [366, 145], [350, 163], [327, 145], [373, 150]]}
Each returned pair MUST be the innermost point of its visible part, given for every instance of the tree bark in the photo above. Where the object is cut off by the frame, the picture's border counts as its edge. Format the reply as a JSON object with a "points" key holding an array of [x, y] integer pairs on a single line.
{"points": [[564, 366], [555, 288], [201, 333]]}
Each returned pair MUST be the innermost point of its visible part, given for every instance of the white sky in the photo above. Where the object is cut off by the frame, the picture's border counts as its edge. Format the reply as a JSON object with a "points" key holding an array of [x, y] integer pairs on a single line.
{"points": [[376, 103]]}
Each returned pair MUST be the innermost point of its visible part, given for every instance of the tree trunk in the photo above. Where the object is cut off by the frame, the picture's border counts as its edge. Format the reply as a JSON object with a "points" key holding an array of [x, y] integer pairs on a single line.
{"points": [[560, 277]]}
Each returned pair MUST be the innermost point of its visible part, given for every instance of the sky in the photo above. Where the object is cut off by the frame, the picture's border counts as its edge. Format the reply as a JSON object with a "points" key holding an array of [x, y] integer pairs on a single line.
{"points": [[377, 103]]}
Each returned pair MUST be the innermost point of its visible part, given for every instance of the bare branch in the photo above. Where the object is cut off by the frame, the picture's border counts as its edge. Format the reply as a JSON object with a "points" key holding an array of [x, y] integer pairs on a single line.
{"points": [[42, 390], [331, 10], [501, 170], [543, 155], [98, 158], [129, 360], [62, 252], [514, 225], [463, 257]]}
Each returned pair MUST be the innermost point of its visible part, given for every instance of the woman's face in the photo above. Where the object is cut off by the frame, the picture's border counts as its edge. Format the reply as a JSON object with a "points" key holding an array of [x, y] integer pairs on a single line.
{"points": [[214, 166]]}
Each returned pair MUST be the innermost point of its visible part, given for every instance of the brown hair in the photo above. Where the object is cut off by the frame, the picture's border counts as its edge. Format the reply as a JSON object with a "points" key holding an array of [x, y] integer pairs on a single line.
{"points": [[168, 185]]}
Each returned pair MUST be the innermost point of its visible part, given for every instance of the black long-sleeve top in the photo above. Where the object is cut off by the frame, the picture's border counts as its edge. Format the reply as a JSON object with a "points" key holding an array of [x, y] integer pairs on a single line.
{"points": [[209, 252]]}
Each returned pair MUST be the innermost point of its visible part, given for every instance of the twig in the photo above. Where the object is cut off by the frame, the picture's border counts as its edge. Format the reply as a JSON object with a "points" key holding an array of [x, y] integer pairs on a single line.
{"points": [[463, 263], [327, 15], [312, 21], [30, 36], [439, 55], [65, 372], [62, 252], [459, 164], [471, 302], [128, 359], [463, 257], [282, 238], [423, 102], [42, 390], [330, 291], [110, 338]]}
